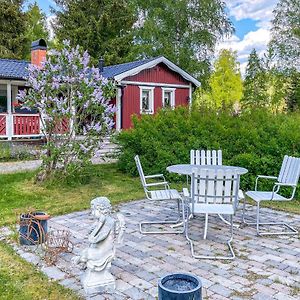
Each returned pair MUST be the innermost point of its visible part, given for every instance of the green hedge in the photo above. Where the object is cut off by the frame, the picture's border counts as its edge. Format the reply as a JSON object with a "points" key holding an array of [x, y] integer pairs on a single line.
{"points": [[257, 140]]}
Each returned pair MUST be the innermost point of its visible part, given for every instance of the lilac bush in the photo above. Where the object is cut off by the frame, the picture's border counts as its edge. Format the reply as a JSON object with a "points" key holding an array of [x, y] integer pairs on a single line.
{"points": [[73, 100]]}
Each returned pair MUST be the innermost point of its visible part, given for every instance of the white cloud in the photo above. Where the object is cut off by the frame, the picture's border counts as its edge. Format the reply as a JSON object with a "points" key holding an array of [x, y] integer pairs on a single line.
{"points": [[258, 39], [254, 39], [260, 11]]}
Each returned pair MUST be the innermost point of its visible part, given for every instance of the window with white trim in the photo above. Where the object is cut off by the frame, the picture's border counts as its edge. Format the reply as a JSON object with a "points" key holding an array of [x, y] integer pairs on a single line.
{"points": [[168, 97], [146, 100]]}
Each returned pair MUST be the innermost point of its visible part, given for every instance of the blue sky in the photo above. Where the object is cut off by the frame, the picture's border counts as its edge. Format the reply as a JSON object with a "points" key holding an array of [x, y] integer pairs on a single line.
{"points": [[251, 19]]}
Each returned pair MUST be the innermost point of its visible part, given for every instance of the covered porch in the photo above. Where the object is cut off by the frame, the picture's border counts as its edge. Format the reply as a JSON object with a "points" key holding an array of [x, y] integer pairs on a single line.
{"points": [[16, 122]]}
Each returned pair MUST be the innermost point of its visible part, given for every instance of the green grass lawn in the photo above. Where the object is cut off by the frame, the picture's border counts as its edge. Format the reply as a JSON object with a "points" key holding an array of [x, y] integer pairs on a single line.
{"points": [[20, 280], [18, 191]]}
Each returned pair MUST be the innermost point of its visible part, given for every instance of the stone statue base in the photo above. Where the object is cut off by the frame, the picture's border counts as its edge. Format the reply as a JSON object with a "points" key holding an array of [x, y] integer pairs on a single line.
{"points": [[98, 282]]}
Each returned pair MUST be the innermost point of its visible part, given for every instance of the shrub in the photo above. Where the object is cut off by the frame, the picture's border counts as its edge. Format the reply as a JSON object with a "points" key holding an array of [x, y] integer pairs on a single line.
{"points": [[256, 140], [73, 99]]}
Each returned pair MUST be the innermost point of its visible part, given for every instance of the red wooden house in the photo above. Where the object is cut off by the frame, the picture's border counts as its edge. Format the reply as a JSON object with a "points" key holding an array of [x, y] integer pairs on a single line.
{"points": [[144, 86], [147, 85]]}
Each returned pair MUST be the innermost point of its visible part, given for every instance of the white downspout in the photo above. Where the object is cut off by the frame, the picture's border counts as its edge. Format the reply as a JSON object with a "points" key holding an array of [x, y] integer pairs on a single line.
{"points": [[9, 120], [118, 109], [190, 96]]}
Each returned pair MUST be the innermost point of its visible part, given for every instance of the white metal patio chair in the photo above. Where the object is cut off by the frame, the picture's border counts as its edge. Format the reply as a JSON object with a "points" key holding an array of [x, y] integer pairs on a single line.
{"points": [[211, 158], [288, 177], [165, 193], [213, 192]]}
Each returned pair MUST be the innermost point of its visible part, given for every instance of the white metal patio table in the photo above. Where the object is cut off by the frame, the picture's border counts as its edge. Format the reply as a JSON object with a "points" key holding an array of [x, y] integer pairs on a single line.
{"points": [[187, 169]]}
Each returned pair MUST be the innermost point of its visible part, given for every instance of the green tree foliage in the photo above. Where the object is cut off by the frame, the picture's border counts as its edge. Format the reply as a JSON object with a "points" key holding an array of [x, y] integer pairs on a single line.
{"points": [[255, 86], [286, 33], [225, 84], [103, 27], [276, 83], [12, 29], [36, 27], [185, 31], [293, 93]]}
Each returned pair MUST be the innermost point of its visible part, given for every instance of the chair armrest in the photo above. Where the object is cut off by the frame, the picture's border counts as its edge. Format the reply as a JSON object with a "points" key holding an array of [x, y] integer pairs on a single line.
{"points": [[264, 177], [285, 184], [156, 183], [155, 176], [185, 192]]}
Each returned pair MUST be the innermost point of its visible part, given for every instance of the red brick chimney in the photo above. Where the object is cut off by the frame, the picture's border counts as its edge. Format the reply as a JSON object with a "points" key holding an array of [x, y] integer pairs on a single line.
{"points": [[38, 52]]}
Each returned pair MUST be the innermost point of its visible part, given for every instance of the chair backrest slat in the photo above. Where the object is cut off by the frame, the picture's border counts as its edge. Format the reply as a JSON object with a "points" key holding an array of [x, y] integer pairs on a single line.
{"points": [[202, 157], [290, 170], [215, 186], [140, 170], [214, 157], [206, 157]]}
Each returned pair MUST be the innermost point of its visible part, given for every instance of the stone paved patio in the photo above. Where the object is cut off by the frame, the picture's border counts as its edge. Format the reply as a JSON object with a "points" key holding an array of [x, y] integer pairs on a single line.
{"points": [[265, 268]]}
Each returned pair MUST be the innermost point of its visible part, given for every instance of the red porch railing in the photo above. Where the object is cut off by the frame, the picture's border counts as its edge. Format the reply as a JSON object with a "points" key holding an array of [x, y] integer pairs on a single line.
{"points": [[26, 124], [3, 124], [63, 127]]}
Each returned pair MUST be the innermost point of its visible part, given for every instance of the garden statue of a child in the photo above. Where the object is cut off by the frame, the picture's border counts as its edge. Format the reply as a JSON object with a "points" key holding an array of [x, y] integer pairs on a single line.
{"points": [[97, 258]]}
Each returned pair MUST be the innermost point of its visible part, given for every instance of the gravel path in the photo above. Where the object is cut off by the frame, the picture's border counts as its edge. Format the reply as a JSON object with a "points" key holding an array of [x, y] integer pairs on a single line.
{"points": [[107, 151], [18, 166], [29, 165]]}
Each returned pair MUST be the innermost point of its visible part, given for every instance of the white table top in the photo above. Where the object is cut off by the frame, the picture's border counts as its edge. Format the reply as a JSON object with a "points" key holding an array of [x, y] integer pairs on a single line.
{"points": [[186, 169]]}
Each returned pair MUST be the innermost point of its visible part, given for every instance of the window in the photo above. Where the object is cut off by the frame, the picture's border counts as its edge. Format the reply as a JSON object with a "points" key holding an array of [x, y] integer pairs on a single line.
{"points": [[147, 100], [168, 98]]}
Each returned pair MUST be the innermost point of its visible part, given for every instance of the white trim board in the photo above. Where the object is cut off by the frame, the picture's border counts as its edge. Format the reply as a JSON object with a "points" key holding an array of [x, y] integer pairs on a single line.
{"points": [[155, 84], [172, 90], [13, 82], [152, 64], [151, 99]]}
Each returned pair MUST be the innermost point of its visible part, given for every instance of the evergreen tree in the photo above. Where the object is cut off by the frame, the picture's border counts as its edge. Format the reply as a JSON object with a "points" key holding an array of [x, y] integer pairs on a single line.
{"points": [[185, 31], [286, 33], [276, 83], [12, 29], [36, 26], [293, 94], [103, 27], [255, 82]]}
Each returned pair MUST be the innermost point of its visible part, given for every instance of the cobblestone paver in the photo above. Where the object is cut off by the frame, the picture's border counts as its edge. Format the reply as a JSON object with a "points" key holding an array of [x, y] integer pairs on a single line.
{"points": [[265, 267]]}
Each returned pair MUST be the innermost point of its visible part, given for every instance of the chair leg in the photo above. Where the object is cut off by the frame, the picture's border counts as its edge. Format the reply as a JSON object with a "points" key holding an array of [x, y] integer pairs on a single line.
{"points": [[230, 257], [205, 227], [174, 222], [227, 222], [258, 224]]}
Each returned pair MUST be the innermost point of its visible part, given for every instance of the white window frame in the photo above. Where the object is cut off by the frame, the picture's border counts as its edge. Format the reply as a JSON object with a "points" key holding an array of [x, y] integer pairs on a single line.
{"points": [[172, 90], [151, 99]]}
